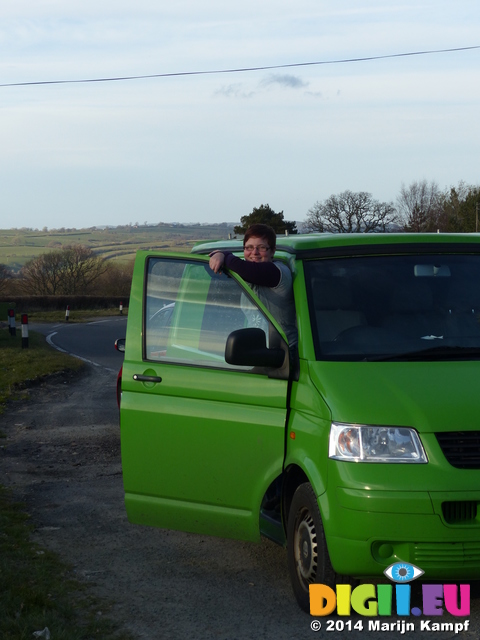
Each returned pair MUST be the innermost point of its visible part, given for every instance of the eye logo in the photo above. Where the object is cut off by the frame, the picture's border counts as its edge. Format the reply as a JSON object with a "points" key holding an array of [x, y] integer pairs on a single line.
{"points": [[402, 572]]}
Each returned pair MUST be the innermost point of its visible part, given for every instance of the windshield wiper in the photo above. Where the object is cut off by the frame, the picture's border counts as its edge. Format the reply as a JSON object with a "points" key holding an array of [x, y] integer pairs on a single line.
{"points": [[433, 353]]}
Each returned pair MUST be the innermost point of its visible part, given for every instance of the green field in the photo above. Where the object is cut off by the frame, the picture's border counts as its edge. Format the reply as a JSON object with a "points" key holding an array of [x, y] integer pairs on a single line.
{"points": [[17, 246]]}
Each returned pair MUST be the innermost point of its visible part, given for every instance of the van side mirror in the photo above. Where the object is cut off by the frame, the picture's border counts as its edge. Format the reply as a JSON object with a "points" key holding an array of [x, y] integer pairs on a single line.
{"points": [[120, 345], [248, 347]]}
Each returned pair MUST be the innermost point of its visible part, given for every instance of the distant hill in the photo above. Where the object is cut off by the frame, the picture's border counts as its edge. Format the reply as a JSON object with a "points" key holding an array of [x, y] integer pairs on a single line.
{"points": [[17, 246]]}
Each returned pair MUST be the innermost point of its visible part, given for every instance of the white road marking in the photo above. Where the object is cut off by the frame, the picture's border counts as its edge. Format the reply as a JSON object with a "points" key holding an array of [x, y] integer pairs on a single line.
{"points": [[95, 364]]}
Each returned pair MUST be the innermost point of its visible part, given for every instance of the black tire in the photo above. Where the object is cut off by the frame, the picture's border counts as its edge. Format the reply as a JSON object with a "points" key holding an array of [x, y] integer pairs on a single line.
{"points": [[308, 559]]}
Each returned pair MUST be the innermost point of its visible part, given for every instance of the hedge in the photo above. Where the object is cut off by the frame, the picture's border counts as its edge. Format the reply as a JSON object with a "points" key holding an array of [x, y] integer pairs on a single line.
{"points": [[28, 304]]}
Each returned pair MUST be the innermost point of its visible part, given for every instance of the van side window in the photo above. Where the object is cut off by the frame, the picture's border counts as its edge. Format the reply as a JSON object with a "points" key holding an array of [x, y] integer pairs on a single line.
{"points": [[189, 313]]}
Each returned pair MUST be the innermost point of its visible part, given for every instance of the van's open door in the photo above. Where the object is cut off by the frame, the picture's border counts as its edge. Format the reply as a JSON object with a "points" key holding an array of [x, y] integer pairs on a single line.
{"points": [[201, 439]]}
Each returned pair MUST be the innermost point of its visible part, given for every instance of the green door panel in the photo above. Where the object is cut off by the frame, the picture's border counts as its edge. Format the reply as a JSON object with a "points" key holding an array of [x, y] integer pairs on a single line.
{"points": [[212, 454], [201, 440]]}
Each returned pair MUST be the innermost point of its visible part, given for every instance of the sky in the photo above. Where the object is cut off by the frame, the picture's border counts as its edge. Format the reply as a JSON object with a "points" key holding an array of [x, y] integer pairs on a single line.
{"points": [[210, 147]]}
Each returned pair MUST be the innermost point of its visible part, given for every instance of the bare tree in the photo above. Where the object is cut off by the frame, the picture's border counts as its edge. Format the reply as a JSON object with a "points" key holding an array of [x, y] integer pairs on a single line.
{"points": [[350, 212], [116, 281], [419, 204], [73, 270], [81, 268], [42, 275]]}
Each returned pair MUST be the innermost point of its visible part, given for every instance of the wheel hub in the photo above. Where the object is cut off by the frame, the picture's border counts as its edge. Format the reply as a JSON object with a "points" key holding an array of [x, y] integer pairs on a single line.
{"points": [[306, 556]]}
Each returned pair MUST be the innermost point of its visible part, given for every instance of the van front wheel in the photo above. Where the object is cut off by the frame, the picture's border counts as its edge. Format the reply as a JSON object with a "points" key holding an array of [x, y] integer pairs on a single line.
{"points": [[308, 559]]}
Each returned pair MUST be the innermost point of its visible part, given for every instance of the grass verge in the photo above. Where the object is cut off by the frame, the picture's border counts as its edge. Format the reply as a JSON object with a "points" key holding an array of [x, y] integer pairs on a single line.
{"points": [[20, 367], [38, 591]]}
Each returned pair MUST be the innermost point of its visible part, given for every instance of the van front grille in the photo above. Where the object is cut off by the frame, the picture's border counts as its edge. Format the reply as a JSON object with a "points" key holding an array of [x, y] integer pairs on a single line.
{"points": [[461, 448], [453, 554], [460, 512]]}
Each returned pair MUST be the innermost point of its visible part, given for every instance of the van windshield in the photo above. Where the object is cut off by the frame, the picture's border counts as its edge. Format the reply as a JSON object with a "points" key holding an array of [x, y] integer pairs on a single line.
{"points": [[389, 307]]}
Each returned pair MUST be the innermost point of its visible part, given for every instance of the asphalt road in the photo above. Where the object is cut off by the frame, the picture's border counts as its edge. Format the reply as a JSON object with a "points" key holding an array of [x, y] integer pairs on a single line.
{"points": [[91, 341]]}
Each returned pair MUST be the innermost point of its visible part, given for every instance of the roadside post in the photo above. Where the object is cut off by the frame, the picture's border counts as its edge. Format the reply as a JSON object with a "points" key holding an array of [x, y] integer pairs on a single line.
{"points": [[24, 331], [11, 322], [67, 313], [121, 308]]}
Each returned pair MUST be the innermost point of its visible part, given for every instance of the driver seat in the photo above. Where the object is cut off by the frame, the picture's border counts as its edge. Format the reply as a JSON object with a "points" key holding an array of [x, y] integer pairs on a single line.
{"points": [[334, 308]]}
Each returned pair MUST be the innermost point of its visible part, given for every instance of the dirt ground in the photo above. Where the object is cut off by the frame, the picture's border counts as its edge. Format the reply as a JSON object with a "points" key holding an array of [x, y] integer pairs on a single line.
{"points": [[62, 458]]}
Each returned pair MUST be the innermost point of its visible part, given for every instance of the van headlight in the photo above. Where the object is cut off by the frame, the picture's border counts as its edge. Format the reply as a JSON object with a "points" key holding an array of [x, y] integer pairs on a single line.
{"points": [[363, 443]]}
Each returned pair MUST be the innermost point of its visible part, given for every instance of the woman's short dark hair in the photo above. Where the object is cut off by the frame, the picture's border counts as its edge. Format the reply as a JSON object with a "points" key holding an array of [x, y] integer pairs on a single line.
{"points": [[261, 231]]}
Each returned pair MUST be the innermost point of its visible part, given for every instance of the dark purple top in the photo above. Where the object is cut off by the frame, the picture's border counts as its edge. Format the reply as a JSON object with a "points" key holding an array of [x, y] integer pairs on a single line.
{"points": [[263, 274]]}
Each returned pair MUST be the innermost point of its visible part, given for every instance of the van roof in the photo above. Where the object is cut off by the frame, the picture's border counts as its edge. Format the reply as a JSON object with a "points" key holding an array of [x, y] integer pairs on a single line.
{"points": [[311, 244]]}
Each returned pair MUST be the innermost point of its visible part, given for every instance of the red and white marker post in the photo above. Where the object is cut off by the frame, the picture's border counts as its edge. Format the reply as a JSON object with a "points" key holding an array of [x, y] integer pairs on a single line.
{"points": [[24, 331], [67, 313]]}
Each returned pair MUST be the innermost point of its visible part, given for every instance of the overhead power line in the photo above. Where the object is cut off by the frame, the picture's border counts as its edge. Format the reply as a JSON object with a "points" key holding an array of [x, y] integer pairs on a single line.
{"points": [[241, 69]]}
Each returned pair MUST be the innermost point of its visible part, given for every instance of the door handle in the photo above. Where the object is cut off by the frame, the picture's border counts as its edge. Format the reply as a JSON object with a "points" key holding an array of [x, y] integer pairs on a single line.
{"points": [[140, 378]]}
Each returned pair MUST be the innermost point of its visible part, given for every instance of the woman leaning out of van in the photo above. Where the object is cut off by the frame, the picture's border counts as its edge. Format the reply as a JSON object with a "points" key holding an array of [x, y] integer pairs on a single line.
{"points": [[270, 279]]}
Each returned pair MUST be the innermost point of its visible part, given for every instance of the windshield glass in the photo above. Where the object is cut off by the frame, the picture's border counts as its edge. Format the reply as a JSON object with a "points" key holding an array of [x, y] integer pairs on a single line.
{"points": [[395, 306]]}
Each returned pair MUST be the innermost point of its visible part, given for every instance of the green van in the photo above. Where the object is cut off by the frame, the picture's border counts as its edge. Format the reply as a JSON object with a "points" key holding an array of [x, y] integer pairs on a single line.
{"points": [[360, 451]]}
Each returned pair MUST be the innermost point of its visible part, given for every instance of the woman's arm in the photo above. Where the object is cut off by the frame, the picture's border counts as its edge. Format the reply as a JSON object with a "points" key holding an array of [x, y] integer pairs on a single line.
{"points": [[216, 261], [264, 274]]}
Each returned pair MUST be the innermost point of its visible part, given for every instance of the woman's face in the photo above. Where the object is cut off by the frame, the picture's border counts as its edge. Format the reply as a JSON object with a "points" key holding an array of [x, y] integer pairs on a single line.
{"points": [[257, 250]]}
